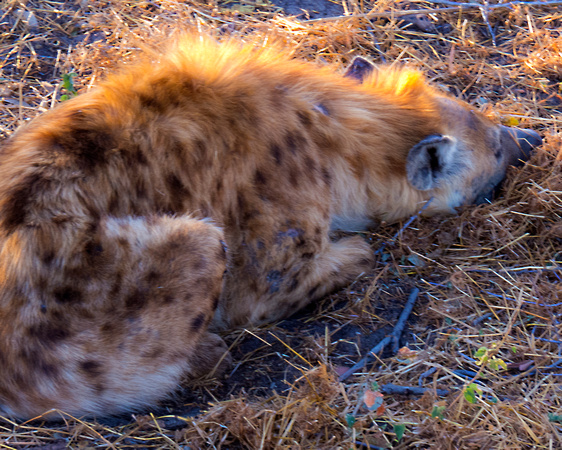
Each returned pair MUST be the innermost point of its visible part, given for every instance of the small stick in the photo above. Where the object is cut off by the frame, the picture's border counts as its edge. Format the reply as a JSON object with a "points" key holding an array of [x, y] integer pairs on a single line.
{"points": [[451, 6], [390, 389], [394, 337]]}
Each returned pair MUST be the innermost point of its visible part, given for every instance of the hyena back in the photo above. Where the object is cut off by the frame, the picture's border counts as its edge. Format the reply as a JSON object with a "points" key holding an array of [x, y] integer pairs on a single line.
{"points": [[120, 208]]}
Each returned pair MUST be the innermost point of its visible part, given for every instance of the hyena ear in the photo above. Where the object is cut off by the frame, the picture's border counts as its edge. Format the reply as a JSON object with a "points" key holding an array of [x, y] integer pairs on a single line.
{"points": [[430, 161], [359, 69]]}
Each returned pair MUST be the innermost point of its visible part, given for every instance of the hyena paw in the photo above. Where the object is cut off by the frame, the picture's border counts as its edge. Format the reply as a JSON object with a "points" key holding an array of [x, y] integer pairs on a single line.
{"points": [[355, 256], [211, 357]]}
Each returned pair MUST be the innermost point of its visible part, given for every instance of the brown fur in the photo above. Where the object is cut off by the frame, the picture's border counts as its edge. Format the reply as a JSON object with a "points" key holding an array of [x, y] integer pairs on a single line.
{"points": [[110, 271]]}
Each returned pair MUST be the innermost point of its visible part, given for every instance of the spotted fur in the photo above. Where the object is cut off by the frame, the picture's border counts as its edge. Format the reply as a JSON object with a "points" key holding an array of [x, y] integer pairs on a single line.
{"points": [[118, 209]]}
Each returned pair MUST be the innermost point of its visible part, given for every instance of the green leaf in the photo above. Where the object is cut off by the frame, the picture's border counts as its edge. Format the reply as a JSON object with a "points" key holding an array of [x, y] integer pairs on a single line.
{"points": [[438, 412], [470, 396], [68, 82], [399, 429], [480, 352], [470, 392], [350, 419]]}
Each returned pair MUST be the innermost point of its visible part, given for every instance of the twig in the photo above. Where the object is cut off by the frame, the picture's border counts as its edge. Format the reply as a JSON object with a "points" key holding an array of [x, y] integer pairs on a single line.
{"points": [[427, 373], [499, 5], [399, 327], [394, 337], [451, 6], [484, 11], [390, 389]]}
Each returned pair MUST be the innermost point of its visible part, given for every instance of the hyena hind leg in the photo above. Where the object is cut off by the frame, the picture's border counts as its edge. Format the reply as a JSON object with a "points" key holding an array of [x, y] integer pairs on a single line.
{"points": [[144, 292]]}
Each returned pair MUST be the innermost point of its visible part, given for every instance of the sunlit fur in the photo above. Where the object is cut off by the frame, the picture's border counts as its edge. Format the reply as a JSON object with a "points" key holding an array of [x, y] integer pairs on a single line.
{"points": [[109, 276]]}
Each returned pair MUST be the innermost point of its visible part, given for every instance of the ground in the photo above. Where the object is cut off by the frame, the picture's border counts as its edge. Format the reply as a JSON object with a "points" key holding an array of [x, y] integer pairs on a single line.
{"points": [[486, 323]]}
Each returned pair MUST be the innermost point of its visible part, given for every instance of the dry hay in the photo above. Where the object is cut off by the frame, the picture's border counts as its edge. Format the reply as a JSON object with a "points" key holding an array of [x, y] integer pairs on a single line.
{"points": [[487, 323]]}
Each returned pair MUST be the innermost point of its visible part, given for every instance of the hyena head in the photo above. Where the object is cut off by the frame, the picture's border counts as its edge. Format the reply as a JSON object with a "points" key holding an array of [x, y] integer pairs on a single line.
{"points": [[467, 162]]}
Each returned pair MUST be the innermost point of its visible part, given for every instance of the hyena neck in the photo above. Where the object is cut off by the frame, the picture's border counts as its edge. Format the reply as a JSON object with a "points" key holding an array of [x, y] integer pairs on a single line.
{"points": [[362, 206]]}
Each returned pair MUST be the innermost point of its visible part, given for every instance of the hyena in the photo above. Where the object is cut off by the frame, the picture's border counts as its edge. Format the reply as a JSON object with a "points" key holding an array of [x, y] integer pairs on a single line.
{"points": [[195, 191]]}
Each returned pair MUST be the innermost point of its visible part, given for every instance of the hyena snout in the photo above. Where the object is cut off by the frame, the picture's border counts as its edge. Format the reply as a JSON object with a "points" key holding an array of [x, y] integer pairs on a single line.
{"points": [[517, 144], [515, 148]]}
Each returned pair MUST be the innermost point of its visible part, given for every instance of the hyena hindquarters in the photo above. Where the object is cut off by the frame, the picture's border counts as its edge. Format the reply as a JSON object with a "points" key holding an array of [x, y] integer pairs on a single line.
{"points": [[116, 326]]}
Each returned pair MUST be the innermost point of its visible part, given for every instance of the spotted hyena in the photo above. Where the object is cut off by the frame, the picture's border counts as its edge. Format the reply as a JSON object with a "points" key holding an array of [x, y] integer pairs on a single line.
{"points": [[196, 191]]}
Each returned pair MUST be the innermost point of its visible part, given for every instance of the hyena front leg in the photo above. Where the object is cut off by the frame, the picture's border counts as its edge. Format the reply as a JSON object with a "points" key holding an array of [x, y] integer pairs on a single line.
{"points": [[121, 323], [291, 279]]}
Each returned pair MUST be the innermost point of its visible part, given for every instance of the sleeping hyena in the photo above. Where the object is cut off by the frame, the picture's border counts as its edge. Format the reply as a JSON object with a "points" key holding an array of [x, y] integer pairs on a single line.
{"points": [[197, 190]]}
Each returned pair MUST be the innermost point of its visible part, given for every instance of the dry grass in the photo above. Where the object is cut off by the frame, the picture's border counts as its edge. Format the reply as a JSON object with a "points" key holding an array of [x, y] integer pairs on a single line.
{"points": [[490, 278]]}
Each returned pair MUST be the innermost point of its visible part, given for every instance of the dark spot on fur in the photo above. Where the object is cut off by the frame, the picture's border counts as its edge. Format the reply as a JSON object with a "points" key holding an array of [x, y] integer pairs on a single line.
{"points": [[123, 243], [274, 279], [276, 153], [93, 248], [137, 300], [291, 142], [216, 302], [259, 178], [88, 144], [326, 176], [312, 291], [167, 299], [178, 192], [109, 329], [116, 287], [91, 368], [42, 283], [140, 188], [241, 201], [67, 295], [152, 277], [307, 255], [113, 205], [154, 353], [310, 164], [48, 257], [198, 264], [294, 175], [150, 102], [140, 158], [43, 309], [14, 208], [49, 332], [294, 306], [293, 285], [48, 370], [304, 118], [198, 322]]}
